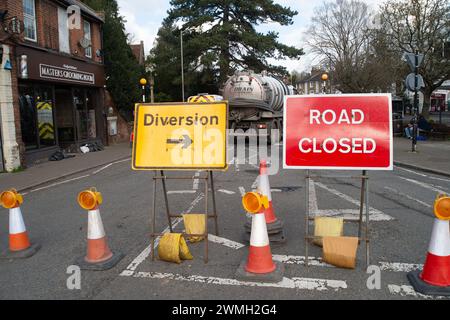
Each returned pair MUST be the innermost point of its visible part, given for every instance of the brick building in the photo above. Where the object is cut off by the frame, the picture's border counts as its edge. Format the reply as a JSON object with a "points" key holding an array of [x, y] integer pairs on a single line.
{"points": [[51, 79]]}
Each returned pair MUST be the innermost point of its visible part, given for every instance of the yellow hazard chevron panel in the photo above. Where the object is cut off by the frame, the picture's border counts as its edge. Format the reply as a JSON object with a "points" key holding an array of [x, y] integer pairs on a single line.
{"points": [[45, 120]]}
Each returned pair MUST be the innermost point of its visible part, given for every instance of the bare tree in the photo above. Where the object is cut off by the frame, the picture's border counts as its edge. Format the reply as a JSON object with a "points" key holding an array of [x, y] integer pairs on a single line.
{"points": [[340, 35], [422, 25]]}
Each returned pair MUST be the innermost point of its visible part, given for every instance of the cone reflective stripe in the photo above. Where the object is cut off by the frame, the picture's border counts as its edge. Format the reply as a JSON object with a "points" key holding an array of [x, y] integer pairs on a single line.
{"points": [[264, 189], [97, 247], [18, 236], [260, 256], [435, 276]]}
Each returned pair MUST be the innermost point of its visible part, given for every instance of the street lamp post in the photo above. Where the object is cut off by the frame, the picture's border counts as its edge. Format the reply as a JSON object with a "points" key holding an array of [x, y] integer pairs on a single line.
{"points": [[182, 64], [325, 78], [143, 83]]}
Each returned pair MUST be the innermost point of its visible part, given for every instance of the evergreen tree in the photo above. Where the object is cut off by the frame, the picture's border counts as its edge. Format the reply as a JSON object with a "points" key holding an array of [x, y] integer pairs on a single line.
{"points": [[223, 32], [121, 67]]}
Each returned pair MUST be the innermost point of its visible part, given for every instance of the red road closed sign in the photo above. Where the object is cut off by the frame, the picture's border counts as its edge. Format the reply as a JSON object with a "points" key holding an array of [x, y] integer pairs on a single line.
{"points": [[345, 132]]}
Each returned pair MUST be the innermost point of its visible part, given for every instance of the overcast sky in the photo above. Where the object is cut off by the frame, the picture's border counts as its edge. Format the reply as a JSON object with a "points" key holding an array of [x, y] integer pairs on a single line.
{"points": [[144, 18]]}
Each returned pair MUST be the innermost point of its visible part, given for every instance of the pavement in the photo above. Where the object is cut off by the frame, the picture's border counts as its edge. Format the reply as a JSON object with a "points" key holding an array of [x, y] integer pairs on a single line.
{"points": [[431, 156], [50, 171], [401, 219]]}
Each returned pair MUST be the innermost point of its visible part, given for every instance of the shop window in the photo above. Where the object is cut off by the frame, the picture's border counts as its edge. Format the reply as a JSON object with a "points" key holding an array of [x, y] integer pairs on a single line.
{"points": [[45, 121], [29, 19], [28, 117], [37, 117], [87, 36]]}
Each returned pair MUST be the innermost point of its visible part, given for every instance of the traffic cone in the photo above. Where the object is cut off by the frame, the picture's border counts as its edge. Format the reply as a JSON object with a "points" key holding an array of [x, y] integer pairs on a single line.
{"points": [[435, 276], [19, 242], [259, 265], [99, 256], [274, 225]]}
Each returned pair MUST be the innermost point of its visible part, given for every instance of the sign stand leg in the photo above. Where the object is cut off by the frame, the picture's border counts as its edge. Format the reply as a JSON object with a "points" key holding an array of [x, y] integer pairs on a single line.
{"points": [[206, 219], [153, 217], [361, 204], [307, 181], [166, 200], [367, 223], [213, 194]]}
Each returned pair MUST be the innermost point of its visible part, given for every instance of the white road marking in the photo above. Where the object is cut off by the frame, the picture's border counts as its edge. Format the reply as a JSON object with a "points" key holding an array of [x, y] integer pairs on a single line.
{"points": [[286, 283], [300, 260], [408, 291], [399, 267], [181, 192], [102, 168], [59, 183], [316, 261], [146, 252], [226, 191], [255, 183], [225, 242], [276, 190], [425, 185], [348, 214], [408, 197], [196, 181]]}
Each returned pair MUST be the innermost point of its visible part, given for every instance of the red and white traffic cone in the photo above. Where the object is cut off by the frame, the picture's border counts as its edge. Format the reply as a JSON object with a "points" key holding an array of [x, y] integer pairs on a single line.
{"points": [[98, 256], [259, 265], [274, 225], [19, 242], [435, 276]]}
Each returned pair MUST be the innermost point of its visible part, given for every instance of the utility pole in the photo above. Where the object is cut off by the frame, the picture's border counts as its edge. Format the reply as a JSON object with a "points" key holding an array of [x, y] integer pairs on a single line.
{"points": [[182, 65]]}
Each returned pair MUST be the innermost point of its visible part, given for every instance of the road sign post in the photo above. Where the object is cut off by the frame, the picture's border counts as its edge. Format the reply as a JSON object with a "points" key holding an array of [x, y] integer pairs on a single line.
{"points": [[338, 132]]}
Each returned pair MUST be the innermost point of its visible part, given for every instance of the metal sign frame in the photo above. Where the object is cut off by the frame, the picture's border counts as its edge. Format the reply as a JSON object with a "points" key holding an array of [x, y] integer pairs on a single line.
{"points": [[209, 183], [170, 168], [363, 207]]}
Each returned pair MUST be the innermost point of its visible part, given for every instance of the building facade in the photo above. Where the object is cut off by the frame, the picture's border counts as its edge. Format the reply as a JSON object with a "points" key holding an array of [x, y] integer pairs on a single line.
{"points": [[52, 79]]}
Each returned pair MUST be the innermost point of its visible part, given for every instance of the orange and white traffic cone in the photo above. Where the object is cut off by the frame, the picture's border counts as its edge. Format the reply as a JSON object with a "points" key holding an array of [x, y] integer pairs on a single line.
{"points": [[98, 256], [259, 265], [19, 242], [274, 225], [435, 276]]}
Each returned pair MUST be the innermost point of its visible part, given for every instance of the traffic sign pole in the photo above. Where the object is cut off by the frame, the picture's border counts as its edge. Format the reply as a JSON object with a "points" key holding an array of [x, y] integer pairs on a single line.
{"points": [[416, 102]]}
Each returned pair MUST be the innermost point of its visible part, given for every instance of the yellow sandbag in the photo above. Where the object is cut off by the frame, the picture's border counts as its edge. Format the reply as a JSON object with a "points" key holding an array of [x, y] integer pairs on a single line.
{"points": [[340, 251], [173, 248], [327, 227], [194, 224]]}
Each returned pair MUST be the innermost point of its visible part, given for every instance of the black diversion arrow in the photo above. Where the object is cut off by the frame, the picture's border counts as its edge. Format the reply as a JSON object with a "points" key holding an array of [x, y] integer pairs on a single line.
{"points": [[185, 140]]}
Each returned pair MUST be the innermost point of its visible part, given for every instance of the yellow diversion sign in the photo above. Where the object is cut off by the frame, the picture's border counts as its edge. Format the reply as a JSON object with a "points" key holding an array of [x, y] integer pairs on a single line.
{"points": [[180, 136]]}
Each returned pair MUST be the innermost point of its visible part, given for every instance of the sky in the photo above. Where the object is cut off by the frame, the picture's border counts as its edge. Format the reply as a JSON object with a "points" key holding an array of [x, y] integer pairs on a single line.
{"points": [[144, 18]]}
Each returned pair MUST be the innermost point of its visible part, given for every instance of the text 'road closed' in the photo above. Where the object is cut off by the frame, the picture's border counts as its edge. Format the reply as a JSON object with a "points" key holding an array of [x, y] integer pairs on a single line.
{"points": [[338, 132]]}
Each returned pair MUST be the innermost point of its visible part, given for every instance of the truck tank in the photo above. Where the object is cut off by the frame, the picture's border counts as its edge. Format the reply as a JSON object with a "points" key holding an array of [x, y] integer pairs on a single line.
{"points": [[259, 92]]}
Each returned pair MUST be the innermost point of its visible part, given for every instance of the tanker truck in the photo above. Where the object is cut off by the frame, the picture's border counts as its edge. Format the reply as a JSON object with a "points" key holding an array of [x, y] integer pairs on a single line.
{"points": [[256, 102]]}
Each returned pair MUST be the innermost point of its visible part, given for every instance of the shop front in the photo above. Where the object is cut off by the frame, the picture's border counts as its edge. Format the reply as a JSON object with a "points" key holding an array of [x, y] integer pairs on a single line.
{"points": [[61, 102]]}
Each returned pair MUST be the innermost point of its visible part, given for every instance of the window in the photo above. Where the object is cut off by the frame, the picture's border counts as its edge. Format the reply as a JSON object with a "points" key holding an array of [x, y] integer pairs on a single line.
{"points": [[29, 19], [36, 116], [87, 36], [63, 31]]}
